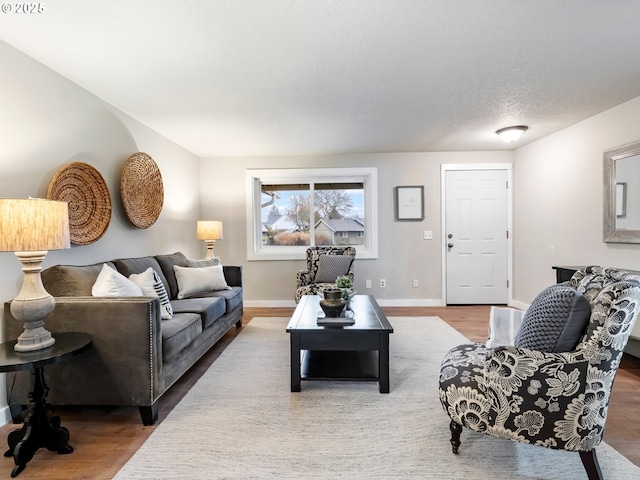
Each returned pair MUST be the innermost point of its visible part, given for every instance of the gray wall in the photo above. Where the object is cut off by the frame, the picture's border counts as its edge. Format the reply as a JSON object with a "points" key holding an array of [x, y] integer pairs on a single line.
{"points": [[403, 253], [47, 122], [558, 198]]}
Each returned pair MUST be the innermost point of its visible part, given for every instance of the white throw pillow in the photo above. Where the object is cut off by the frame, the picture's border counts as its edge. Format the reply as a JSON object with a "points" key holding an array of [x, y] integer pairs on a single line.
{"points": [[111, 283], [504, 323], [152, 286], [192, 281]]}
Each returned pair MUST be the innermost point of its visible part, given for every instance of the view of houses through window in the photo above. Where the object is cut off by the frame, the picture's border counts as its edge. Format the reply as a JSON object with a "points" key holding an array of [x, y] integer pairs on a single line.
{"points": [[313, 214]]}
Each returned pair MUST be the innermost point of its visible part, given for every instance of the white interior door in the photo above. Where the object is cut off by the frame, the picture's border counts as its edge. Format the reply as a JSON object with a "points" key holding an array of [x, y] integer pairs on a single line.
{"points": [[476, 234]]}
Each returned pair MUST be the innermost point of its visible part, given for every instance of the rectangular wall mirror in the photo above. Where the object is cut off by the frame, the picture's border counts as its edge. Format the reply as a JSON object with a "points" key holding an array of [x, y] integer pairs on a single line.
{"points": [[621, 204]]}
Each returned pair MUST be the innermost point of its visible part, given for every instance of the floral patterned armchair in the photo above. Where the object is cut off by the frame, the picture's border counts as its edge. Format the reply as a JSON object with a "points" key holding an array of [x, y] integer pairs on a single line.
{"points": [[320, 275], [556, 400]]}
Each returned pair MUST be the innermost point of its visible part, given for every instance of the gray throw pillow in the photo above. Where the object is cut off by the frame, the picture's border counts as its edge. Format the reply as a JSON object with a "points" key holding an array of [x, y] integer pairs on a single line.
{"points": [[331, 267], [203, 262], [555, 320]]}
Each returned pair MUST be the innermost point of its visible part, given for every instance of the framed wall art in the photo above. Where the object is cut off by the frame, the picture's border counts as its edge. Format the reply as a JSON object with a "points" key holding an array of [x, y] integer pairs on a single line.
{"points": [[409, 203]]}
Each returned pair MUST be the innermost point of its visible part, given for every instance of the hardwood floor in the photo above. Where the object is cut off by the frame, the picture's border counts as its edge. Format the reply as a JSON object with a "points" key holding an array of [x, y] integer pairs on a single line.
{"points": [[105, 438]]}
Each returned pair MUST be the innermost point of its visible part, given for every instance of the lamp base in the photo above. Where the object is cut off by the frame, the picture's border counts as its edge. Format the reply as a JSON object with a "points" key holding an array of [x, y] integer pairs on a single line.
{"points": [[34, 339], [32, 305], [210, 244]]}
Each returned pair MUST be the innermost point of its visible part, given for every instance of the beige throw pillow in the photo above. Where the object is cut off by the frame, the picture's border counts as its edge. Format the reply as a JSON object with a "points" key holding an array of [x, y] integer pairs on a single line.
{"points": [[192, 281]]}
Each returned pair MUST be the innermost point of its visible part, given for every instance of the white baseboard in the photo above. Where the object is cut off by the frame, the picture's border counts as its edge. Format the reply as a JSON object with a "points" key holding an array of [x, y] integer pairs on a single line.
{"points": [[518, 305], [410, 303], [5, 415]]}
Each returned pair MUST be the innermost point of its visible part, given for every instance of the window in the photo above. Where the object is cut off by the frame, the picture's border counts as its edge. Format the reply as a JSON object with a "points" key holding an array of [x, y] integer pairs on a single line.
{"points": [[291, 209]]}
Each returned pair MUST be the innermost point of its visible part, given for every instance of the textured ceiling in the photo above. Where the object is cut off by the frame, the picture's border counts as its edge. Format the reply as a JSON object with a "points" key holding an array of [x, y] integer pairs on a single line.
{"points": [[296, 77]]}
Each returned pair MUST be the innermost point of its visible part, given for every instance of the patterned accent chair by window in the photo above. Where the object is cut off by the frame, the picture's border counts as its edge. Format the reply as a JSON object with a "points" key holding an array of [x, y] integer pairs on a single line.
{"points": [[324, 265], [548, 395]]}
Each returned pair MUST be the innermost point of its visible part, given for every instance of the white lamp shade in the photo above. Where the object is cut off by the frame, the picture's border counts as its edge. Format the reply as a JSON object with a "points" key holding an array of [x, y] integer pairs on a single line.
{"points": [[33, 224], [209, 230]]}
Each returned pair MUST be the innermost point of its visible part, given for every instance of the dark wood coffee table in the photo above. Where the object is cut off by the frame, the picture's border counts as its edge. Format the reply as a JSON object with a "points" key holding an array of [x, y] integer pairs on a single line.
{"points": [[356, 352]]}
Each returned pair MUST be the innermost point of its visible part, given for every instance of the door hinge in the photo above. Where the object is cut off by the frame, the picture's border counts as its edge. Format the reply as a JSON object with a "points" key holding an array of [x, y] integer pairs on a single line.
{"points": [[507, 283], [507, 233]]}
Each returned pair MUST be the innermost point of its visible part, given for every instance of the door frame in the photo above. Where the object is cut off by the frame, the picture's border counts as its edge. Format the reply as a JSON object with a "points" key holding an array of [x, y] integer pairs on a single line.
{"points": [[444, 168]]}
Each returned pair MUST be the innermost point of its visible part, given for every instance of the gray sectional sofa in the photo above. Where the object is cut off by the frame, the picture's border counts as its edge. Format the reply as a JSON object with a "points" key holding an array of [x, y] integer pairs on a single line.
{"points": [[136, 355]]}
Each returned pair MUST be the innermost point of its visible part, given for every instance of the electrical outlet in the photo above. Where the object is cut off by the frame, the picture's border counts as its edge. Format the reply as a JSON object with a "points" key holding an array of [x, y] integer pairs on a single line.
{"points": [[428, 235], [383, 283], [415, 283], [367, 283]]}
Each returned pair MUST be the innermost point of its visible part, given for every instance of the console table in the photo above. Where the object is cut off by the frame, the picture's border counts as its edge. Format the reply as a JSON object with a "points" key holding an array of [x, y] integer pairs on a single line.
{"points": [[564, 274], [40, 430]]}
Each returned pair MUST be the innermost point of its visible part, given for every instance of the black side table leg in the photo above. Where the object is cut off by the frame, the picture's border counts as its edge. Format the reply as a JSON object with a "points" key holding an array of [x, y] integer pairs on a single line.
{"points": [[39, 430]]}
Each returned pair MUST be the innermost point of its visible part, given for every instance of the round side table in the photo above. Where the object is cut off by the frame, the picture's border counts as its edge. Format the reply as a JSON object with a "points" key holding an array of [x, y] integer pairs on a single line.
{"points": [[40, 430]]}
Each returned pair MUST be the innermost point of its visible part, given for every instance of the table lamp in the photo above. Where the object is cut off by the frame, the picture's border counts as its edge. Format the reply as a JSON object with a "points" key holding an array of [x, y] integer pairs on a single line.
{"points": [[209, 231], [30, 227]]}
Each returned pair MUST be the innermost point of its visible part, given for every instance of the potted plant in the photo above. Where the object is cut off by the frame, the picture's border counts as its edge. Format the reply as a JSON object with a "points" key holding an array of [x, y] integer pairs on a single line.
{"points": [[345, 284]]}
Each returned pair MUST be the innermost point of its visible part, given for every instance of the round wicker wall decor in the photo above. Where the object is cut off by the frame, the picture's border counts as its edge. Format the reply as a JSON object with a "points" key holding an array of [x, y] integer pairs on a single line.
{"points": [[141, 190], [86, 192]]}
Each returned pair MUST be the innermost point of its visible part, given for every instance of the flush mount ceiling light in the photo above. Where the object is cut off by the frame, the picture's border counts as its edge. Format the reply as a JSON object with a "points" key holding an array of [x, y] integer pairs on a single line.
{"points": [[511, 134]]}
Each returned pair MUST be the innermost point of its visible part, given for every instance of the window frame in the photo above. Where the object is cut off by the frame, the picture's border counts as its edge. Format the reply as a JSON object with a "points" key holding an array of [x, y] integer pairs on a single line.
{"points": [[368, 176]]}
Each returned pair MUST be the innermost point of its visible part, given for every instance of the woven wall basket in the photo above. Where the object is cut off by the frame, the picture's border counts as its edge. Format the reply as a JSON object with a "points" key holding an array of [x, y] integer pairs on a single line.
{"points": [[86, 192], [142, 190]]}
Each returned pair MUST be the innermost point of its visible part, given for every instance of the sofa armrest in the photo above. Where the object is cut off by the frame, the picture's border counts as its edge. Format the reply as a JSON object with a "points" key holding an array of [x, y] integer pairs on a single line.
{"points": [[123, 366], [233, 275]]}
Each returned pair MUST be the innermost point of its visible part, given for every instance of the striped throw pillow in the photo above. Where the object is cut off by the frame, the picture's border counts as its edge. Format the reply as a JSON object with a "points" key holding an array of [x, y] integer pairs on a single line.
{"points": [[152, 286]]}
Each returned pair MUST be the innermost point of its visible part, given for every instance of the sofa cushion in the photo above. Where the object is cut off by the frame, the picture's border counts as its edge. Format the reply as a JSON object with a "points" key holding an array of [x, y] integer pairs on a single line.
{"points": [[71, 280], [331, 267], [232, 297], [166, 264], [209, 308], [192, 281], [178, 333], [129, 266], [111, 283], [555, 321], [151, 285]]}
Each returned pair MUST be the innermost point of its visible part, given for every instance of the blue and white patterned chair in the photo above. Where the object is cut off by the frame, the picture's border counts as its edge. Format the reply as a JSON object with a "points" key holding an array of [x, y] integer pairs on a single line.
{"points": [[320, 274], [551, 399]]}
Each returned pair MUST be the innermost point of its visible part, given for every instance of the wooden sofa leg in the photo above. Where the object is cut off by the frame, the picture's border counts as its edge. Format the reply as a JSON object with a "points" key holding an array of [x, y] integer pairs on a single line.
{"points": [[149, 413], [239, 323], [591, 465], [456, 430]]}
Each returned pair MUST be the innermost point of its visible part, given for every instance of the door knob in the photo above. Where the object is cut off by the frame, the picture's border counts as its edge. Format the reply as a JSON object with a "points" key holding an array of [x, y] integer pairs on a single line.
{"points": [[450, 245]]}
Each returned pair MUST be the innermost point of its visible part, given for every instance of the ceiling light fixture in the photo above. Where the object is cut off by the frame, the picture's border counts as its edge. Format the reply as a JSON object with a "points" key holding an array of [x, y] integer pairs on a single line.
{"points": [[511, 134]]}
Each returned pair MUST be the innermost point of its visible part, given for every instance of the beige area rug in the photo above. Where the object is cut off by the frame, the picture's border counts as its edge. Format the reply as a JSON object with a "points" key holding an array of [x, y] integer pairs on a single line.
{"points": [[241, 421]]}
